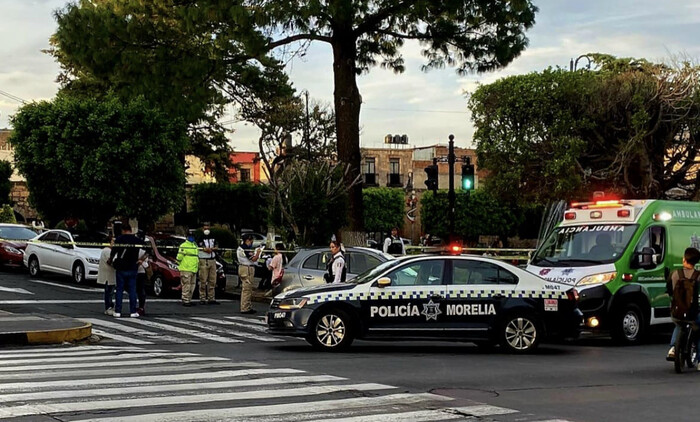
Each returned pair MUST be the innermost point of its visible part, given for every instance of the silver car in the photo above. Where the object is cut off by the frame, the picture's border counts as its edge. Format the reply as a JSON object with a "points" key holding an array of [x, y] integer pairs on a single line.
{"points": [[309, 265]]}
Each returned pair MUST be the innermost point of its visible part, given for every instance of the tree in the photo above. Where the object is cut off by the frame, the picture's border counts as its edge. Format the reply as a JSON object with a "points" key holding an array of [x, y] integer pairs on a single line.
{"points": [[93, 159], [213, 202], [5, 184], [7, 214], [629, 126], [384, 208]]}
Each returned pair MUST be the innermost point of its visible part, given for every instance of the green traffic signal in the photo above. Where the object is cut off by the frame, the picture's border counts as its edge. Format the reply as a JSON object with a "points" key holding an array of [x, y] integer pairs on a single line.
{"points": [[468, 177], [467, 183]]}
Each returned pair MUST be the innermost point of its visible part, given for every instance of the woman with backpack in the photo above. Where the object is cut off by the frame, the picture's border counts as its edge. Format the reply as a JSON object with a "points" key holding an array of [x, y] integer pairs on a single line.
{"points": [[683, 287]]}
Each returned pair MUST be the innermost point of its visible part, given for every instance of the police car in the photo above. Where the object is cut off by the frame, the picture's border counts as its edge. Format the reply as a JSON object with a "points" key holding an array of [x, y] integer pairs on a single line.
{"points": [[469, 298]]}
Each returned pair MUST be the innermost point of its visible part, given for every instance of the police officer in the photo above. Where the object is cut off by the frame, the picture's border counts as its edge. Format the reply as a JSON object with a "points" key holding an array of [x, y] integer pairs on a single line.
{"points": [[393, 244], [207, 267], [246, 271], [335, 271]]}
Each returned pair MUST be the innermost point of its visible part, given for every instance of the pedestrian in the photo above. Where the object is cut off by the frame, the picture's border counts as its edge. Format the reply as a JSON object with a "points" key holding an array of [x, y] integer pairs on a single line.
{"points": [[141, 276], [188, 263], [38, 225], [335, 270], [107, 275], [276, 265], [687, 273], [124, 258], [247, 257], [207, 267], [393, 244]]}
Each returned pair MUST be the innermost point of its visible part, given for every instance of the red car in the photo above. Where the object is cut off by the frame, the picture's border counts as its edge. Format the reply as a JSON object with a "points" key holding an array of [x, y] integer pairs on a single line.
{"points": [[13, 242]]}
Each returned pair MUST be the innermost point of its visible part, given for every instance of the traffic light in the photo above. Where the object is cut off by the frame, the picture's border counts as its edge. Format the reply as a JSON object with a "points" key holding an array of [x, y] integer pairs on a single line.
{"points": [[431, 181], [467, 176]]}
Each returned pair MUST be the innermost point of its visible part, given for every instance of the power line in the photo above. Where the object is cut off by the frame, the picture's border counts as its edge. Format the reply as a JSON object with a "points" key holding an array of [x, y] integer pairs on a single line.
{"points": [[12, 97]]}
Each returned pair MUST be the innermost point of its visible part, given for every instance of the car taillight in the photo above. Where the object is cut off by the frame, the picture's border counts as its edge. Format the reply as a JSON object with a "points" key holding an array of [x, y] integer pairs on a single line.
{"points": [[572, 295]]}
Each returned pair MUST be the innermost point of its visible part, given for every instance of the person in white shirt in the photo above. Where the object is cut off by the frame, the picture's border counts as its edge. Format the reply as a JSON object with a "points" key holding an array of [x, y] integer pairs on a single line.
{"points": [[393, 244], [247, 256], [336, 270], [207, 268], [107, 275]]}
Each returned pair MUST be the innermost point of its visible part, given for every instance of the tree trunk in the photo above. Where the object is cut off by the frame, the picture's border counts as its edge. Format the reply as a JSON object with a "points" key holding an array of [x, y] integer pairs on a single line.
{"points": [[347, 117]]}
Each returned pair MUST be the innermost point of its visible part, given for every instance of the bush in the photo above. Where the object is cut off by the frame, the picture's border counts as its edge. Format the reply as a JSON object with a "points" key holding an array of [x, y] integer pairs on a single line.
{"points": [[240, 205], [7, 214], [81, 227], [224, 237]]}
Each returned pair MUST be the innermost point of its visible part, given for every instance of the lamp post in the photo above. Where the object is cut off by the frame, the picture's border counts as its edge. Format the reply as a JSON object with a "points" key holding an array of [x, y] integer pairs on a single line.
{"points": [[574, 63], [451, 192]]}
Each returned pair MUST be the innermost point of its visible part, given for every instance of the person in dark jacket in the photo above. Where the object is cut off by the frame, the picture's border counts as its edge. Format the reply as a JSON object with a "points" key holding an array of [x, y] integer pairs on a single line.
{"points": [[124, 258], [691, 257]]}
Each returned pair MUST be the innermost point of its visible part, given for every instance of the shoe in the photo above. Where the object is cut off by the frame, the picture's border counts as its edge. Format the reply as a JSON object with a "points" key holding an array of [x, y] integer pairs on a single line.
{"points": [[671, 353], [202, 302], [188, 304], [213, 302], [249, 311], [117, 315], [109, 311], [141, 311], [134, 315]]}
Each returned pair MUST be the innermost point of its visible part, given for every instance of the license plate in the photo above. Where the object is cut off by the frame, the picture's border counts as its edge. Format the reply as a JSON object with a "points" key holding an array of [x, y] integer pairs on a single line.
{"points": [[278, 315], [551, 305]]}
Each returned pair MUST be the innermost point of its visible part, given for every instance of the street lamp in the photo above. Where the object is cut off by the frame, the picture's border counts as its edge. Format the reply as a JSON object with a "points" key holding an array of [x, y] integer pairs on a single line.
{"points": [[574, 63]]}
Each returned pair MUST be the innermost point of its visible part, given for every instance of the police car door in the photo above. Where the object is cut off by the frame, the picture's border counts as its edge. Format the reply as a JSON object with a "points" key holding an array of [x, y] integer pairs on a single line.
{"points": [[413, 305], [475, 295]]}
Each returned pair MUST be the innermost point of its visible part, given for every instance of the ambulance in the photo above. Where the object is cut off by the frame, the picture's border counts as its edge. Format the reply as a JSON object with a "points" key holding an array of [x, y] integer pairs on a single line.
{"points": [[618, 254]]}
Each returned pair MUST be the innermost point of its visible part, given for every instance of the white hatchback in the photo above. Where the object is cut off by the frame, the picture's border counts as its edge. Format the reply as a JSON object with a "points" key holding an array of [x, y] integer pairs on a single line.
{"points": [[61, 252]]}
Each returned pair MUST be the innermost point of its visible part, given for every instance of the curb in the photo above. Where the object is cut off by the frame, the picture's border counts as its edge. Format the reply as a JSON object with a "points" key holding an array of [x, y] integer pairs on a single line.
{"points": [[47, 336]]}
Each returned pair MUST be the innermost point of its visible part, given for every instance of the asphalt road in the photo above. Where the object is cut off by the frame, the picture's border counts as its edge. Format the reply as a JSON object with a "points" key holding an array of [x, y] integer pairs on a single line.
{"points": [[589, 380]]}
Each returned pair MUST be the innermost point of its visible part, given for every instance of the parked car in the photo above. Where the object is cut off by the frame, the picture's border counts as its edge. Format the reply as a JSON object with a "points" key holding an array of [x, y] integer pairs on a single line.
{"points": [[13, 241], [73, 254], [309, 265]]}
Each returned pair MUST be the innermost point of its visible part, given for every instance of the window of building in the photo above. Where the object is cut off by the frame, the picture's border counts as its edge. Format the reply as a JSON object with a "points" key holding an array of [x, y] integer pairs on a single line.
{"points": [[245, 175], [394, 166], [369, 165]]}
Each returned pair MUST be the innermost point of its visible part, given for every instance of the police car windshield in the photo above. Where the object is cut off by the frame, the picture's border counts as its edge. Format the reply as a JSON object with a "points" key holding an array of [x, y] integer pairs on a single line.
{"points": [[370, 274], [584, 245]]}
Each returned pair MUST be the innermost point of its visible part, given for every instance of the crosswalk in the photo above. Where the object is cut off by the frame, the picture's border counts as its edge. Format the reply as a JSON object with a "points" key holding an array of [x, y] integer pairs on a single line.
{"points": [[182, 387], [182, 330]]}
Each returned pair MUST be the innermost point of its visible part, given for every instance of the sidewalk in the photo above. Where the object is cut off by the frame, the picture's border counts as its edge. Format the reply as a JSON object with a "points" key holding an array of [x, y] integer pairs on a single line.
{"points": [[22, 329]]}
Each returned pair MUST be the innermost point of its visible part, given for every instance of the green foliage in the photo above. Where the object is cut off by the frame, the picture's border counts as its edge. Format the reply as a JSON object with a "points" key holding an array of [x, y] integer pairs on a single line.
{"points": [[384, 208], [93, 159], [81, 227], [476, 213], [5, 184], [7, 215], [240, 205], [223, 236]]}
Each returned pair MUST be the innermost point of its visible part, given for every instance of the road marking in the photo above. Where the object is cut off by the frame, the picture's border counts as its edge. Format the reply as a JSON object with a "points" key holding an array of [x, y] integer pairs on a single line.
{"points": [[236, 414], [136, 331], [114, 357], [262, 329], [64, 349], [43, 408], [80, 289], [74, 352], [117, 337], [417, 416], [249, 320], [160, 378], [118, 363], [15, 290], [189, 332], [221, 330], [162, 388], [486, 410]]}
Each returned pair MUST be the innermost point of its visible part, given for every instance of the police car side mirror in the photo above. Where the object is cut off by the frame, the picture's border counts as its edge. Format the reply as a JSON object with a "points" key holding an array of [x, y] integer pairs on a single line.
{"points": [[384, 282]]}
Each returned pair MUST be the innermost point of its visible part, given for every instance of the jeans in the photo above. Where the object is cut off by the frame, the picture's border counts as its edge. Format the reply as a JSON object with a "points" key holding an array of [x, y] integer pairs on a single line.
{"points": [[126, 279], [109, 290], [677, 330]]}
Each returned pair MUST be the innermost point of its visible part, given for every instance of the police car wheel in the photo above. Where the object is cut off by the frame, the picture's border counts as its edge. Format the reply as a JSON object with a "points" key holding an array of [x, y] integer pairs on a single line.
{"points": [[331, 331], [520, 333]]}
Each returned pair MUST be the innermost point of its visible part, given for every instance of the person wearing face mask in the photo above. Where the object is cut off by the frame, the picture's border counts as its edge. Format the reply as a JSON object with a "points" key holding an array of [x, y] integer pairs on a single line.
{"points": [[207, 267], [188, 262]]}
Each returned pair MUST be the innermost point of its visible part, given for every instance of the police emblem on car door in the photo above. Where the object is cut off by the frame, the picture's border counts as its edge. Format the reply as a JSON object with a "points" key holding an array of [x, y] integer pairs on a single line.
{"points": [[412, 304]]}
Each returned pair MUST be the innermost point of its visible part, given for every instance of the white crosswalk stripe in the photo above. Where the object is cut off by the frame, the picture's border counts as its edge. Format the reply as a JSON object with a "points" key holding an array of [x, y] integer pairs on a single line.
{"points": [[117, 337], [211, 325], [137, 331], [193, 333], [220, 390]]}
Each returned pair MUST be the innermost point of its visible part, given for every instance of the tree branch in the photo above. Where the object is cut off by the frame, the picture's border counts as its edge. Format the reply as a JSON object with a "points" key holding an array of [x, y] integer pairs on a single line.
{"points": [[298, 37], [372, 21]]}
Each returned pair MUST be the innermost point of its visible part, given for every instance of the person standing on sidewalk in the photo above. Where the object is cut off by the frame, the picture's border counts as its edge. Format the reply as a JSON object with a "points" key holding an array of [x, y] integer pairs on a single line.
{"points": [[393, 244], [188, 262], [246, 272], [207, 268], [107, 275], [124, 258], [141, 276]]}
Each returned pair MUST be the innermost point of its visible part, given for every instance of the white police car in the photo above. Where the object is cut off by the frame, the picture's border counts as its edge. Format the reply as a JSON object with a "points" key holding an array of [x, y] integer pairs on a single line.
{"points": [[431, 297]]}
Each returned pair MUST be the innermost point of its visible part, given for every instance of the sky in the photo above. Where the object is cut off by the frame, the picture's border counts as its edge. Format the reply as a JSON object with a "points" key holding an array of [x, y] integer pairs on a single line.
{"points": [[426, 106]]}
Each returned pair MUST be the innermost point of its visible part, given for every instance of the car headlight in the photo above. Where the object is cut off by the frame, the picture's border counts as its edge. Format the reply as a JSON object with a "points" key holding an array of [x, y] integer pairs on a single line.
{"points": [[93, 260], [293, 303], [601, 278], [10, 249], [172, 266]]}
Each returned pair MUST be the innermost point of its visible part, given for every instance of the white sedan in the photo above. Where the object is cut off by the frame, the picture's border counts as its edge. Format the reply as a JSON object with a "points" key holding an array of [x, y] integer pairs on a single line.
{"points": [[61, 252]]}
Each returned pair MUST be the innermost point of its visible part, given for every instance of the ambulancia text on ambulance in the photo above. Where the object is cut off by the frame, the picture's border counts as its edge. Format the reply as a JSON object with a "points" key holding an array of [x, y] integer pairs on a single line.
{"points": [[469, 298], [618, 254]]}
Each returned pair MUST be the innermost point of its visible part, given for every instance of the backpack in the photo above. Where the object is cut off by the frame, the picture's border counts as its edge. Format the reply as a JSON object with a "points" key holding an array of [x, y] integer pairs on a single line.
{"points": [[682, 299]]}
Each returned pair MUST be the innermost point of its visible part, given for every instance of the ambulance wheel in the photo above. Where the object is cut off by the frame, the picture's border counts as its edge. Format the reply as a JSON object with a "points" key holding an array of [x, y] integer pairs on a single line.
{"points": [[331, 331], [520, 333], [628, 324]]}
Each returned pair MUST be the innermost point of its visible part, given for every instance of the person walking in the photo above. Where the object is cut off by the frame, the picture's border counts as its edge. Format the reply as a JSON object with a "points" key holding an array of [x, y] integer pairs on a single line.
{"points": [[335, 271], [141, 276], [124, 258], [393, 244], [188, 261], [107, 276], [247, 257], [207, 268]]}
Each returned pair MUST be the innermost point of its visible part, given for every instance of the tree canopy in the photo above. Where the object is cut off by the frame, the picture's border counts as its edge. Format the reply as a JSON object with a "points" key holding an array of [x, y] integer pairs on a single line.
{"points": [[384, 208], [5, 184], [93, 159], [628, 126]]}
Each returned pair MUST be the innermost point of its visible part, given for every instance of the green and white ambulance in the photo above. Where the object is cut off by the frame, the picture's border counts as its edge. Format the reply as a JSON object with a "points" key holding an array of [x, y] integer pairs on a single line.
{"points": [[618, 254]]}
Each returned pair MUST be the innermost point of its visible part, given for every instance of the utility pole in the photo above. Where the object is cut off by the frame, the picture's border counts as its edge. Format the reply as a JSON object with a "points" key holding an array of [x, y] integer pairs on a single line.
{"points": [[306, 127], [451, 192]]}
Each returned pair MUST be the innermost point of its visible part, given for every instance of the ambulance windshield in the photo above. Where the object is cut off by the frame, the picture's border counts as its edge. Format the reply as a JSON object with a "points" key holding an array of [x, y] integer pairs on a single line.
{"points": [[585, 245]]}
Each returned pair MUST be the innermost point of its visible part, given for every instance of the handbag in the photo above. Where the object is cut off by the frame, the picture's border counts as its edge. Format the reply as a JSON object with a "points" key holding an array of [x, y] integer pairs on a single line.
{"points": [[278, 280]]}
